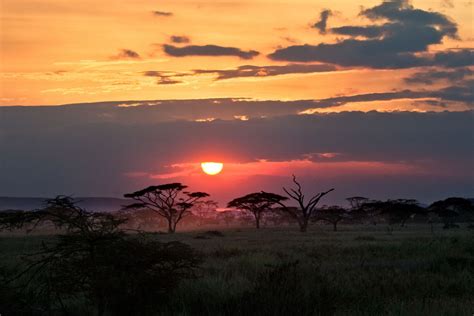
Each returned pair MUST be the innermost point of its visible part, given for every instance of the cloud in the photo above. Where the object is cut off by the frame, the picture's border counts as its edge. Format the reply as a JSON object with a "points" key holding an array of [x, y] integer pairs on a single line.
{"points": [[168, 81], [454, 58], [399, 42], [179, 39], [462, 92], [400, 11], [77, 151], [433, 76], [126, 54], [164, 77], [208, 50], [162, 13], [371, 31], [267, 71], [323, 19]]}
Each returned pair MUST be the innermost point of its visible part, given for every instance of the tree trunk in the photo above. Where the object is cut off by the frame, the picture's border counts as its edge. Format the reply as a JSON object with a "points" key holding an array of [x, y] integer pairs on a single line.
{"points": [[171, 229], [334, 225], [304, 226], [257, 222]]}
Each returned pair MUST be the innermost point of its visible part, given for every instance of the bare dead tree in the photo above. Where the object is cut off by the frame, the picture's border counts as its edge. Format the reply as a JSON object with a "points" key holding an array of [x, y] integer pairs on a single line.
{"points": [[305, 209], [166, 200]]}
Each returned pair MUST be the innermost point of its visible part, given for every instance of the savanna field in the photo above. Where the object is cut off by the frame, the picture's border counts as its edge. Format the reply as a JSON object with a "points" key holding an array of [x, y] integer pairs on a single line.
{"points": [[358, 270]]}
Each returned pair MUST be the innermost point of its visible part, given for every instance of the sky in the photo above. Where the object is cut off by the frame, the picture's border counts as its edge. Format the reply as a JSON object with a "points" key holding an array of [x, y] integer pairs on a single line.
{"points": [[373, 98]]}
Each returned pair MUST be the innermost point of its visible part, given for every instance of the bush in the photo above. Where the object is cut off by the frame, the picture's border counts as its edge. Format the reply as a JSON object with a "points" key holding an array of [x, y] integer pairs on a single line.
{"points": [[97, 264]]}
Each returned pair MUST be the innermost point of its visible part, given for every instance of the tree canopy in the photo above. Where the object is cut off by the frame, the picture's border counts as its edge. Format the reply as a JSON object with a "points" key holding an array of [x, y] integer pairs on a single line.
{"points": [[256, 203], [169, 201]]}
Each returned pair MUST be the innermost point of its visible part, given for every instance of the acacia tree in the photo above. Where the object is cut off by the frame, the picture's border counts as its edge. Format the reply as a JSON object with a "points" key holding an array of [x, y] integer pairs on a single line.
{"points": [[331, 214], [357, 202], [306, 209], [256, 203], [396, 211], [451, 209], [169, 201]]}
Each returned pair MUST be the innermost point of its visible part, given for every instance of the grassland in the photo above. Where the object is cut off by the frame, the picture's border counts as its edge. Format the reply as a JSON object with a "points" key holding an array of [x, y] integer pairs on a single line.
{"points": [[359, 270]]}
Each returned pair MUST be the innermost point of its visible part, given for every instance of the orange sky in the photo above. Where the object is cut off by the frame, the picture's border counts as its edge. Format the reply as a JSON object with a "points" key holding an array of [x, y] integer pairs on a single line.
{"points": [[65, 51]]}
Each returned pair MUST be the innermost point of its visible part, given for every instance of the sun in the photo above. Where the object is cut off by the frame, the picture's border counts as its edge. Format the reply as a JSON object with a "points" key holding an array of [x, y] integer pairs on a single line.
{"points": [[212, 168]]}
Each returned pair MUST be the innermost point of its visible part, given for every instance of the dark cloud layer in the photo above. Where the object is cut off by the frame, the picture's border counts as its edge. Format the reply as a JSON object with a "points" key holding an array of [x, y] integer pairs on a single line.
{"points": [[433, 76], [50, 153], [208, 50], [266, 71], [454, 58], [460, 92], [397, 42]]}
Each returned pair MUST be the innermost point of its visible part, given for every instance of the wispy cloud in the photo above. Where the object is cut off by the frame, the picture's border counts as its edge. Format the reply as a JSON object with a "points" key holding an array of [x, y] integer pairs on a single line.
{"points": [[162, 13], [180, 39], [126, 54], [267, 71], [208, 50]]}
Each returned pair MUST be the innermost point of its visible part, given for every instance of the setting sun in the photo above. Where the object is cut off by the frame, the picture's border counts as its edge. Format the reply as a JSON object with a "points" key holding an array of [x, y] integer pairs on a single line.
{"points": [[212, 168]]}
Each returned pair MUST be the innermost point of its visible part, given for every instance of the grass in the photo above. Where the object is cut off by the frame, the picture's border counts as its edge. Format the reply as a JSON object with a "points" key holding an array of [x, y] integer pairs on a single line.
{"points": [[359, 270]]}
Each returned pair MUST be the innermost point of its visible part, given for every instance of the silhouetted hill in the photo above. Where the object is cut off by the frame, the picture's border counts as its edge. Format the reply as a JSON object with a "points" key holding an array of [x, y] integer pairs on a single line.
{"points": [[89, 203]]}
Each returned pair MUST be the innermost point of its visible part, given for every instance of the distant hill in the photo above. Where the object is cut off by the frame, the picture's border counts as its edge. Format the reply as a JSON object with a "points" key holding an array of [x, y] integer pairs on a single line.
{"points": [[102, 204]]}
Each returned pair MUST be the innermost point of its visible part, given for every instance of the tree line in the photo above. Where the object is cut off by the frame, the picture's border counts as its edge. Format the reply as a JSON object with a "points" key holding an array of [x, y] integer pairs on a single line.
{"points": [[173, 203]]}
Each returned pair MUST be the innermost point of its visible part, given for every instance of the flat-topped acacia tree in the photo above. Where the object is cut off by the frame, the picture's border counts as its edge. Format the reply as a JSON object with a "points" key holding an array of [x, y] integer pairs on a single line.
{"points": [[169, 201], [256, 203], [331, 214]]}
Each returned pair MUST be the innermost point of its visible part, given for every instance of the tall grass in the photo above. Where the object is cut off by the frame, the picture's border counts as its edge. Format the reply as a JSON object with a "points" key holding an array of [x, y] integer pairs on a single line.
{"points": [[352, 272]]}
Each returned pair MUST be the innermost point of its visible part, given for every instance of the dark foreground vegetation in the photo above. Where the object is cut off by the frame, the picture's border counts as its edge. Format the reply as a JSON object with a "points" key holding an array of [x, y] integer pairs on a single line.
{"points": [[356, 271]]}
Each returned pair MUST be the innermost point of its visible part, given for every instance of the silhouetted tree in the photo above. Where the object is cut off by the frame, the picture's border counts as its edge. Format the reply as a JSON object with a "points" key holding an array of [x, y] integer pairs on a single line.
{"points": [[205, 211], [356, 202], [453, 208], [63, 213], [356, 212], [396, 211], [166, 200], [305, 210], [256, 203], [143, 219], [227, 216], [331, 214], [94, 260]]}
